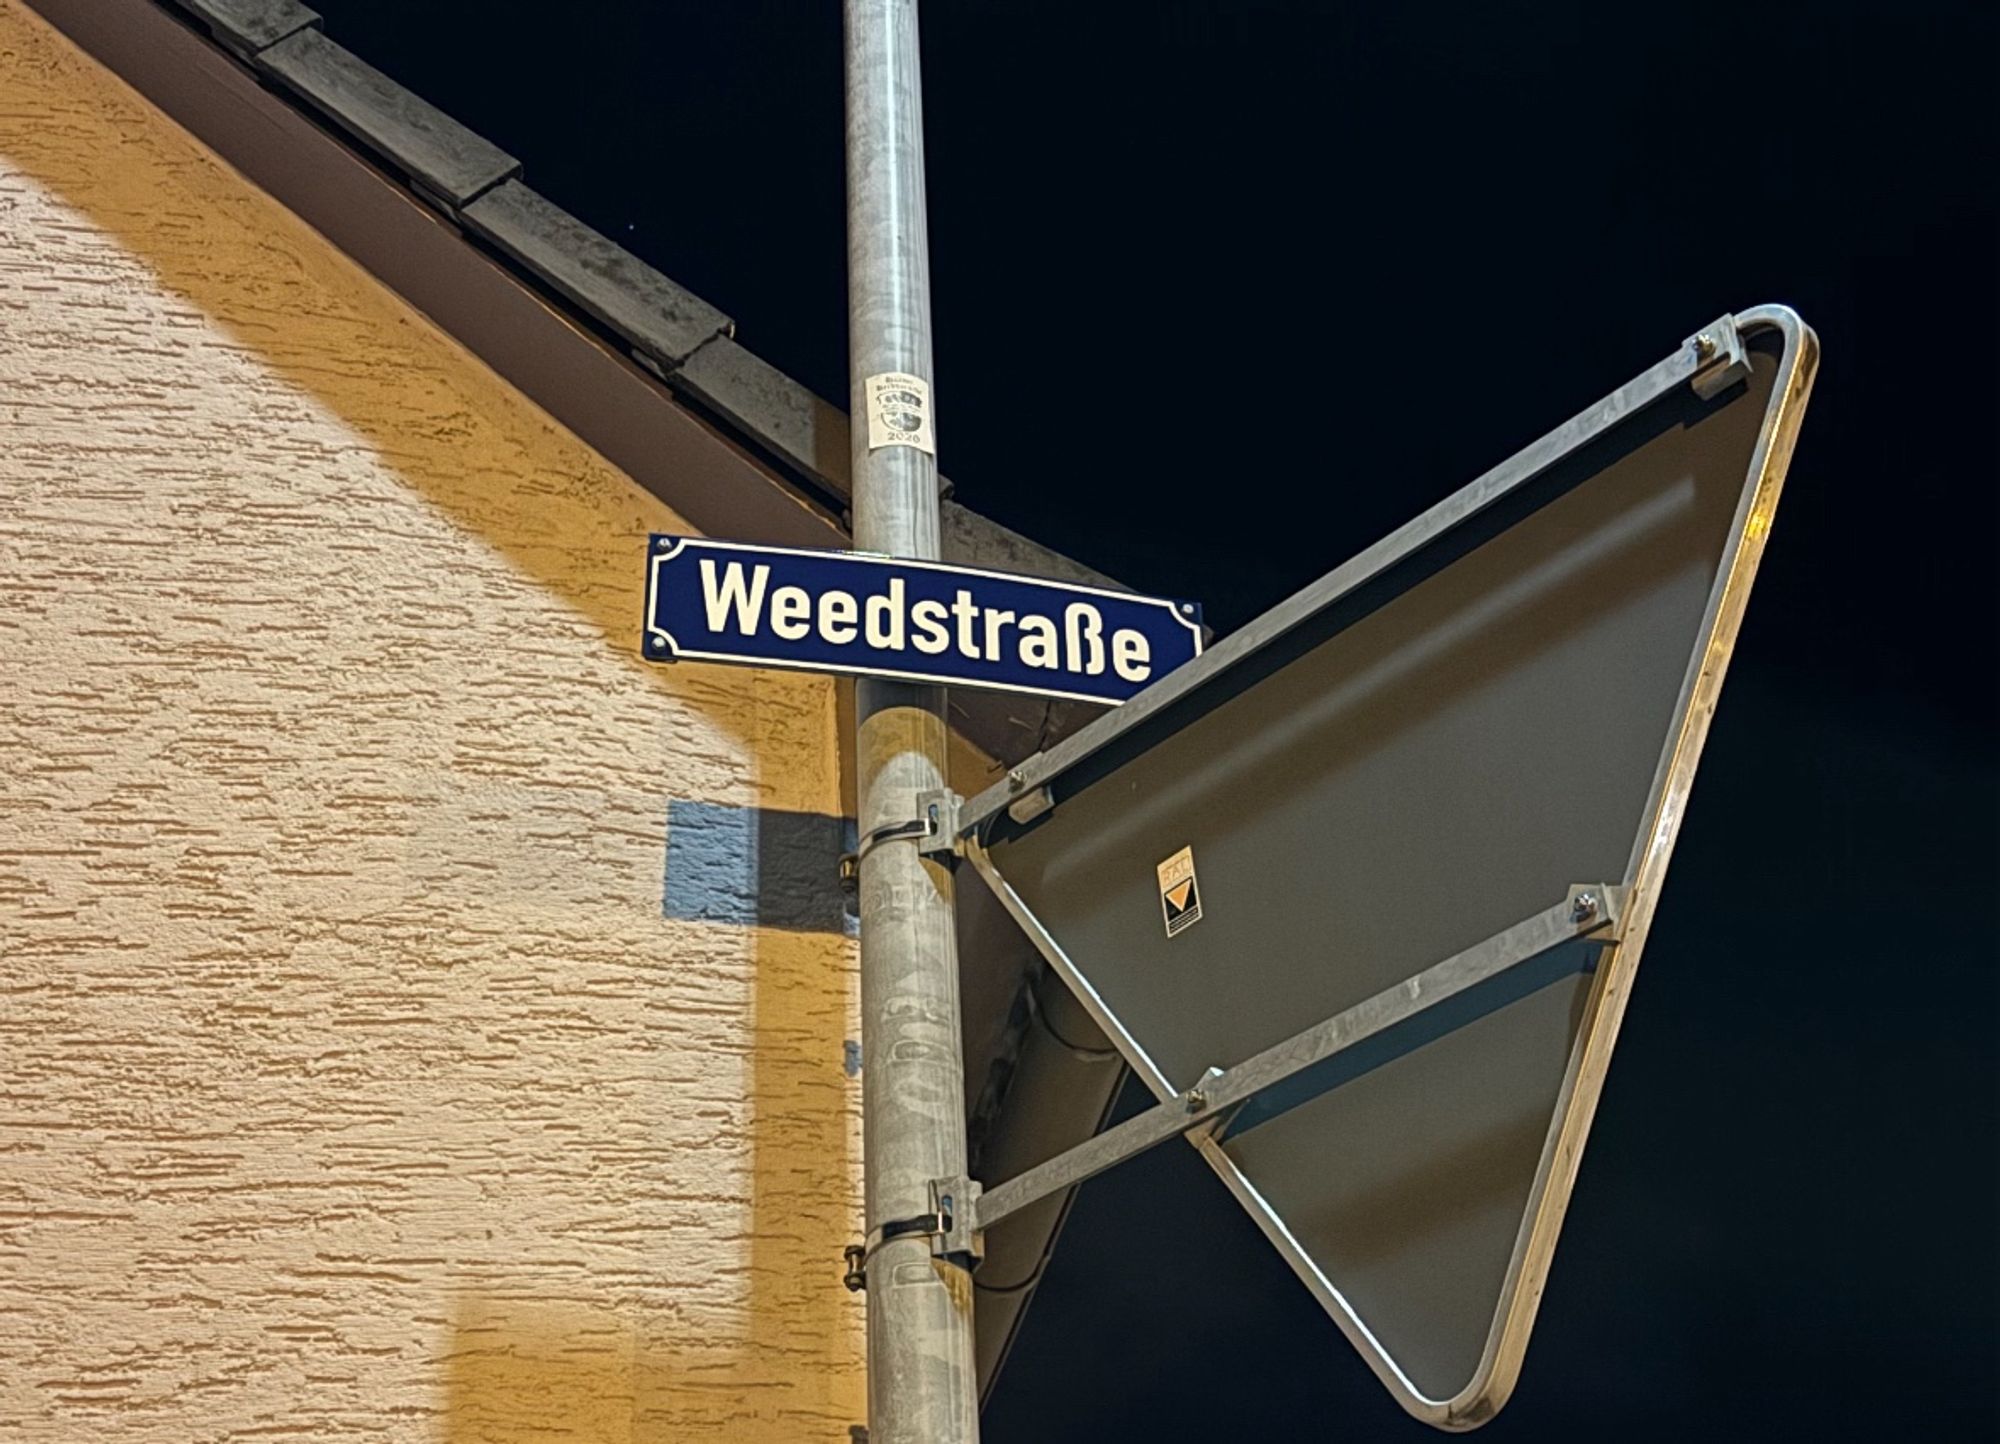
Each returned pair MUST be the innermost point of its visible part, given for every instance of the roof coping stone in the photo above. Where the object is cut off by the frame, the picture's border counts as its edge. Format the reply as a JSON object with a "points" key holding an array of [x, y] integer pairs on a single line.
{"points": [[599, 275], [445, 159]]}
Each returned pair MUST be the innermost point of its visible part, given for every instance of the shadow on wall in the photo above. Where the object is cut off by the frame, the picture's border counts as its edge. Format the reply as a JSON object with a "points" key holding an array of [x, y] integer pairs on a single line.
{"points": [[507, 1353], [533, 1368]]}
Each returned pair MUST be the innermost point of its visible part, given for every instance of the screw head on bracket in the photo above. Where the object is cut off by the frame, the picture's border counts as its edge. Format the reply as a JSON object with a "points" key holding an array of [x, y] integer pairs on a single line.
{"points": [[1704, 346], [1583, 907], [1016, 778]]}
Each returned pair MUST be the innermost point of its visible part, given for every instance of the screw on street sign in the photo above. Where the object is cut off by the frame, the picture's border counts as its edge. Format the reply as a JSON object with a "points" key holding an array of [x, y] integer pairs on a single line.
{"points": [[1431, 800], [866, 616]]}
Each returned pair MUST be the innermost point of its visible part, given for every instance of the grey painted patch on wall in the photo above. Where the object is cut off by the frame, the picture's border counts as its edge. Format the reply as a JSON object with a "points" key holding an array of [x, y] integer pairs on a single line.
{"points": [[756, 866]]}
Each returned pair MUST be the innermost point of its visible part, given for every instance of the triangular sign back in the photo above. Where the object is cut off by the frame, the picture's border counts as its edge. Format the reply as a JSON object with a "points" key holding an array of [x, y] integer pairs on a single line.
{"points": [[1498, 705]]}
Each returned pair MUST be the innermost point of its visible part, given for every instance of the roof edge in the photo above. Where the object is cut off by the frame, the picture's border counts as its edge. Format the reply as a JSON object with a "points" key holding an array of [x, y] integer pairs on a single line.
{"points": [[681, 338]]}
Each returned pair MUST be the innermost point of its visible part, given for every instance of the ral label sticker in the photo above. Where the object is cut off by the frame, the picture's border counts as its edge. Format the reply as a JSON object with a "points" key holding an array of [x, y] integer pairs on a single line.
{"points": [[1180, 895], [899, 412]]}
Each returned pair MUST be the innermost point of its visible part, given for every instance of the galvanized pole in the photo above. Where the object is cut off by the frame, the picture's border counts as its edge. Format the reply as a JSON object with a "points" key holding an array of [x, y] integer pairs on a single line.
{"points": [[921, 1377]]}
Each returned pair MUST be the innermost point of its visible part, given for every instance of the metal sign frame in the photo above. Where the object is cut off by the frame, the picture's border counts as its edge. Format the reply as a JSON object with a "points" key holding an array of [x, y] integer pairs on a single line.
{"points": [[1611, 915]]}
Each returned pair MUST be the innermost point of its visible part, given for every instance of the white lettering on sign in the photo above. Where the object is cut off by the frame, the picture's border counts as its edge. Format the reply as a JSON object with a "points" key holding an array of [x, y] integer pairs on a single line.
{"points": [[1131, 655], [790, 606], [1083, 640], [1038, 642], [836, 617], [928, 617], [885, 617], [733, 597], [732, 593]]}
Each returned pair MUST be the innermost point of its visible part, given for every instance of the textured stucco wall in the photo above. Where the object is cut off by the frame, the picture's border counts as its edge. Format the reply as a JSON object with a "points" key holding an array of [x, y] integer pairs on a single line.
{"points": [[353, 1084]]}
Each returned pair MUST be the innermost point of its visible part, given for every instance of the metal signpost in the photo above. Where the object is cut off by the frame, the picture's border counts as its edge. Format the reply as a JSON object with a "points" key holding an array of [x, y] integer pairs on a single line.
{"points": [[913, 621], [922, 1381]]}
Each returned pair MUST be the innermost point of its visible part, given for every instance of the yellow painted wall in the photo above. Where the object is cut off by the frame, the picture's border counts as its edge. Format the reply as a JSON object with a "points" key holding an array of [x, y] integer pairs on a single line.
{"points": [[352, 1085]]}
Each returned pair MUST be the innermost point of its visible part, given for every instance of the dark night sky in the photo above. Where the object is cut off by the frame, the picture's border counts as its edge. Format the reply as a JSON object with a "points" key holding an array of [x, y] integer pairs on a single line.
{"points": [[1226, 291]]}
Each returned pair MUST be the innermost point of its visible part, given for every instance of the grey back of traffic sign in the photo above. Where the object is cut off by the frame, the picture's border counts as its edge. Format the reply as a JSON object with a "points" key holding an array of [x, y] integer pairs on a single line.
{"points": [[1489, 720]]}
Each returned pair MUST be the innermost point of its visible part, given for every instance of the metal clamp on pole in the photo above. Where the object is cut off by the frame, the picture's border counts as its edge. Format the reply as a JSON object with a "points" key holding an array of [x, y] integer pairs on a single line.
{"points": [[890, 832], [935, 831], [951, 1225], [940, 811], [961, 1240]]}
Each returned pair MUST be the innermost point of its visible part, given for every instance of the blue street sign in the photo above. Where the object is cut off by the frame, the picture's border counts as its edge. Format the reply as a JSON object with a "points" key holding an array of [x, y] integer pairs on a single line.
{"points": [[868, 616]]}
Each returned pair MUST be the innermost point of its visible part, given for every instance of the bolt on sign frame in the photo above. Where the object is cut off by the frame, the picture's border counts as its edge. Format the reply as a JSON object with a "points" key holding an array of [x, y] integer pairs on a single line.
{"points": [[1426, 806]]}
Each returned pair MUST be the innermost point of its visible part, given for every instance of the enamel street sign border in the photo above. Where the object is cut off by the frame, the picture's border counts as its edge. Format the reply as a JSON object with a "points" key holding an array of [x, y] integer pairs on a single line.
{"points": [[867, 616]]}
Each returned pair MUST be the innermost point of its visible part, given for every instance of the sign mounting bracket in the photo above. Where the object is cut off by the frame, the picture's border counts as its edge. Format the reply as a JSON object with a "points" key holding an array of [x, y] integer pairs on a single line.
{"points": [[1228, 1102], [1719, 357]]}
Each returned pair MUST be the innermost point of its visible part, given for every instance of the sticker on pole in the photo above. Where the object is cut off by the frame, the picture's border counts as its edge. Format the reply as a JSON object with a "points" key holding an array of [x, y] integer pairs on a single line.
{"points": [[899, 412], [1180, 897]]}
